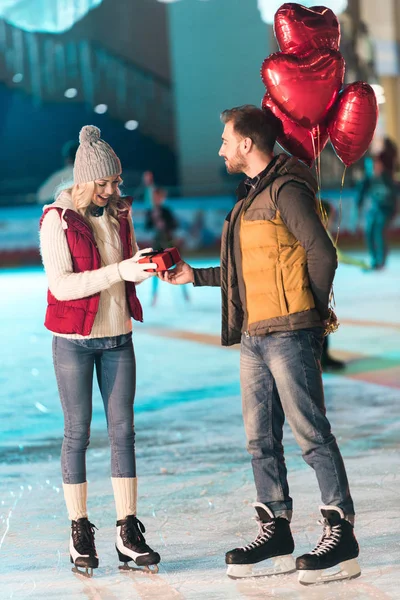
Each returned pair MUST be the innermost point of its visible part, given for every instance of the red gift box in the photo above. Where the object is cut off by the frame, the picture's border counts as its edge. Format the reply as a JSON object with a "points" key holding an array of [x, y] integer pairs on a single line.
{"points": [[164, 259]]}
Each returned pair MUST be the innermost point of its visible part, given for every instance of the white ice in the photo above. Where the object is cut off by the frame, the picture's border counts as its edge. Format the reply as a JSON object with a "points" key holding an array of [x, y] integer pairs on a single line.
{"points": [[195, 479]]}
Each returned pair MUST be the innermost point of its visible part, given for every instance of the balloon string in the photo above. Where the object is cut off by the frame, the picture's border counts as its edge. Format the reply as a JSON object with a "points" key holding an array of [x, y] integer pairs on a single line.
{"points": [[317, 159], [319, 151], [340, 206], [333, 323]]}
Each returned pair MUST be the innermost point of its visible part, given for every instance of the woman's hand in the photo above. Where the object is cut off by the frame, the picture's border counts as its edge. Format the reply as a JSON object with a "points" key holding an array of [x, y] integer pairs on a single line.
{"points": [[131, 270]]}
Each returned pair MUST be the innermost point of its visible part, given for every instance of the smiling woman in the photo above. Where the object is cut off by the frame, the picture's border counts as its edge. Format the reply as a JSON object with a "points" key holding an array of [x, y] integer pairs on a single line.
{"points": [[87, 243], [106, 188], [102, 193]]}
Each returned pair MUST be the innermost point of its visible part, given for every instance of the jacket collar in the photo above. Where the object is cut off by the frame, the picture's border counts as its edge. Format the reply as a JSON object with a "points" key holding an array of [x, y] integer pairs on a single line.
{"points": [[251, 184], [280, 165]]}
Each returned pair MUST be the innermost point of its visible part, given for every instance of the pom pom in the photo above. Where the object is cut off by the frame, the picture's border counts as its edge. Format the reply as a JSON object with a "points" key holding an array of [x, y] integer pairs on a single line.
{"points": [[89, 134]]}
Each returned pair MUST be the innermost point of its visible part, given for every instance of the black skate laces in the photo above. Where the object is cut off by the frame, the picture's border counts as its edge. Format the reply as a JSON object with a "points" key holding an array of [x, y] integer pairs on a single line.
{"points": [[265, 533], [83, 536], [329, 539], [134, 530]]}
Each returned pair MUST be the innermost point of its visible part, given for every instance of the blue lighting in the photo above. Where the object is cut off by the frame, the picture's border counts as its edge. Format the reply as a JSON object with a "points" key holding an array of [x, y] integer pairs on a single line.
{"points": [[51, 16]]}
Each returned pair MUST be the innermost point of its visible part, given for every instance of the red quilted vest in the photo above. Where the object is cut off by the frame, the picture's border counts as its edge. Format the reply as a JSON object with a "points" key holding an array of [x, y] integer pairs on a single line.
{"points": [[77, 316]]}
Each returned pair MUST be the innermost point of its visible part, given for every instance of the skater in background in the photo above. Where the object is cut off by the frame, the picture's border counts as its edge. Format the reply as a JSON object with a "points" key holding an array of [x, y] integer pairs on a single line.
{"points": [[381, 193], [146, 190], [87, 242], [389, 156], [161, 222], [61, 177], [276, 273]]}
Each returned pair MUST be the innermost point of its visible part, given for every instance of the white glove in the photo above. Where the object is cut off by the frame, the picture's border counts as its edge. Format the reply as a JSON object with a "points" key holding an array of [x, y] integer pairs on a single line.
{"points": [[131, 270]]}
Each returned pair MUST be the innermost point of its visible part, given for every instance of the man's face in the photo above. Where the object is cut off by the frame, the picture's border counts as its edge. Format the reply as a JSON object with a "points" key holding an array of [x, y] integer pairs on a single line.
{"points": [[235, 161]]}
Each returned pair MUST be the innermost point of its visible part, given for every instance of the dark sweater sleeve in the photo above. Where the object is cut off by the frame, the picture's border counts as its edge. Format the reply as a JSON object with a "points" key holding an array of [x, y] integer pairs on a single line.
{"points": [[362, 190], [297, 207], [210, 277], [148, 224]]}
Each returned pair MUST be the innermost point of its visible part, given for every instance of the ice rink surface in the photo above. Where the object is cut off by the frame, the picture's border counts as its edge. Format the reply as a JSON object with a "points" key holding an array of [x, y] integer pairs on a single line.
{"points": [[195, 478]]}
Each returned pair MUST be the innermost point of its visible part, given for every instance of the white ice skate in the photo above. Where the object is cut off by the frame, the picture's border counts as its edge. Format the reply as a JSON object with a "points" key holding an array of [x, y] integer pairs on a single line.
{"points": [[280, 565], [349, 569], [82, 548], [131, 547]]}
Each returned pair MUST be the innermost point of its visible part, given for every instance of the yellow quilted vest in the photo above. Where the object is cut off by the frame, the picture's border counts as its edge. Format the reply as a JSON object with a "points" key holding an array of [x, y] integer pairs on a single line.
{"points": [[274, 270]]}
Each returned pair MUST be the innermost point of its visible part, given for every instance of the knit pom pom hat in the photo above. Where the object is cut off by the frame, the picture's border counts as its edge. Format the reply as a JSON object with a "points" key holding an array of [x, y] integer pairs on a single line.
{"points": [[94, 158]]}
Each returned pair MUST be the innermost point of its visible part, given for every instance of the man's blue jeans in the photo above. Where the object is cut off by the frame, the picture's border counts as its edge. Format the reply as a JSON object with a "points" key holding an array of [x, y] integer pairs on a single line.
{"points": [[281, 376], [116, 375]]}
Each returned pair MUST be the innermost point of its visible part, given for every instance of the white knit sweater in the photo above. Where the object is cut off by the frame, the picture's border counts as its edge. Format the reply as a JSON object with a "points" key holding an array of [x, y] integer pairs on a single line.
{"points": [[113, 316]]}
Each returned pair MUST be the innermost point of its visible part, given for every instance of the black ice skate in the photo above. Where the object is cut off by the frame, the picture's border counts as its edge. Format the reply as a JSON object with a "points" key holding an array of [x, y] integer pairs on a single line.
{"points": [[82, 548], [274, 541], [131, 545], [337, 546]]}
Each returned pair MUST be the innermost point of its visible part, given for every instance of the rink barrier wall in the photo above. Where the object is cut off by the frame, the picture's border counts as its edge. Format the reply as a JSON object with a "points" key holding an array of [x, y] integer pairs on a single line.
{"points": [[200, 224]]}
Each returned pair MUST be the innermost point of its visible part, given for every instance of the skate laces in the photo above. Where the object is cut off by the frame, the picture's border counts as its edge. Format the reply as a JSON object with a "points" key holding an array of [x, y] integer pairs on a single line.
{"points": [[329, 539], [84, 536], [134, 532], [265, 533]]}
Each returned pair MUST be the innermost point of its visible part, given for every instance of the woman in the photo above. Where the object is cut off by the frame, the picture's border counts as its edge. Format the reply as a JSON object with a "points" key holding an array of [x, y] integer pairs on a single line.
{"points": [[87, 242]]}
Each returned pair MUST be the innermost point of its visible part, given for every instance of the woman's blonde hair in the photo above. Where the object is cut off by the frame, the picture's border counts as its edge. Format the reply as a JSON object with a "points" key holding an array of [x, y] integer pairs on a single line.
{"points": [[82, 196]]}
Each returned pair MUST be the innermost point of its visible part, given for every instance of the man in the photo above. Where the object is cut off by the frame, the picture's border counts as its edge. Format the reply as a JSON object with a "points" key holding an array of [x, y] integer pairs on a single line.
{"points": [[276, 273], [161, 221], [65, 175]]}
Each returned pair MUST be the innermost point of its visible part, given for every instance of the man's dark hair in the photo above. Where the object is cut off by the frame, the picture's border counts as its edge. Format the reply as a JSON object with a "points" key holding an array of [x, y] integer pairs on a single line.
{"points": [[260, 125]]}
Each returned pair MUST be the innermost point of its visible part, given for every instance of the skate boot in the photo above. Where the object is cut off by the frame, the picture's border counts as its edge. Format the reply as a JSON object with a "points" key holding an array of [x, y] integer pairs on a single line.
{"points": [[274, 540], [82, 548], [131, 545], [337, 546]]}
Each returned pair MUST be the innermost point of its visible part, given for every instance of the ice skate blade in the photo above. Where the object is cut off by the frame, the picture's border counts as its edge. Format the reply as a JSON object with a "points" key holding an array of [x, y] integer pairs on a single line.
{"points": [[88, 573], [151, 569], [281, 566], [349, 569]]}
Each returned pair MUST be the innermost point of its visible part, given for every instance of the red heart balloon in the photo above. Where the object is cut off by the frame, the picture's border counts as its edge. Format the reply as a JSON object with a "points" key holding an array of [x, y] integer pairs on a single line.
{"points": [[352, 121], [306, 87], [299, 29], [302, 143]]}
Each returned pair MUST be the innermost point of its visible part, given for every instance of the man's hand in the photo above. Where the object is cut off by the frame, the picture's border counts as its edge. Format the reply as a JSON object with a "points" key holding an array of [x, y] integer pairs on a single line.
{"points": [[331, 324], [182, 273]]}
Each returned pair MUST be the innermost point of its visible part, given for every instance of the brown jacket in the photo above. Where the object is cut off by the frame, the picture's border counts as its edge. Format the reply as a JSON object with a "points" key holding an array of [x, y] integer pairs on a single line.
{"points": [[285, 194]]}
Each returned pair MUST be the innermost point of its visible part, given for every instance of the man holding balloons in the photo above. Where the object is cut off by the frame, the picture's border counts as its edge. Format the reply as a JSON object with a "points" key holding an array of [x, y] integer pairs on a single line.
{"points": [[276, 274]]}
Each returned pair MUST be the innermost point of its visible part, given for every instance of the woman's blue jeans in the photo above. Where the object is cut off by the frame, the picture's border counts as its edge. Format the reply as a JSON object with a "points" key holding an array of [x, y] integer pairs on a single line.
{"points": [[116, 375], [281, 377]]}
